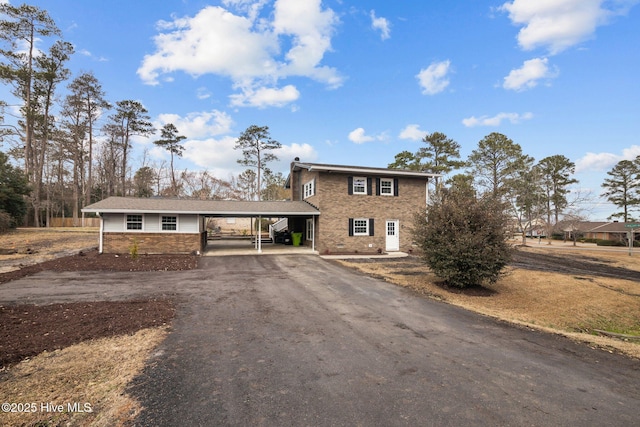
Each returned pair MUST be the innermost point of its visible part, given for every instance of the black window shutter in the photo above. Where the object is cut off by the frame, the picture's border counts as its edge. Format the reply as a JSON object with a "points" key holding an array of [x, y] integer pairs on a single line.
{"points": [[369, 181], [350, 226], [395, 186], [371, 233], [377, 186], [350, 182]]}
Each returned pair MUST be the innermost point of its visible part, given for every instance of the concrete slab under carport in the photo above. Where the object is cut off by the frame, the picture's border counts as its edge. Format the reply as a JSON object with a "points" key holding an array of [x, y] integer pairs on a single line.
{"points": [[224, 247]]}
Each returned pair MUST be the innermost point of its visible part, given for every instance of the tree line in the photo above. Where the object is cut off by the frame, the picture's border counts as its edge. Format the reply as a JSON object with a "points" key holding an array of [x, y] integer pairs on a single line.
{"points": [[531, 191], [498, 167], [75, 146]]}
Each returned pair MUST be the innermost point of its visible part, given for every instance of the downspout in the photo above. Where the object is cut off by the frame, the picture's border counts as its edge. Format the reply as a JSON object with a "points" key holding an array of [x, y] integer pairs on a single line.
{"points": [[313, 234], [426, 191]]}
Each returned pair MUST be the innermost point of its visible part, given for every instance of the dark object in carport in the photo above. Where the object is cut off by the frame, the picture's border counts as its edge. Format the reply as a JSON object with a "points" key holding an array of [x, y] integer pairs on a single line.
{"points": [[283, 237]]}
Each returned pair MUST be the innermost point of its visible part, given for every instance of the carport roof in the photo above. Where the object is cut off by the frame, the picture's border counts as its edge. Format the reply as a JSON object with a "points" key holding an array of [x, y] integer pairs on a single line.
{"points": [[227, 208]]}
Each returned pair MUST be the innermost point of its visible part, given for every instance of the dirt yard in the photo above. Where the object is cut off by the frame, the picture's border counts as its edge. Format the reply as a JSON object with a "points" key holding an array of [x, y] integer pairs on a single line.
{"points": [[593, 296]]}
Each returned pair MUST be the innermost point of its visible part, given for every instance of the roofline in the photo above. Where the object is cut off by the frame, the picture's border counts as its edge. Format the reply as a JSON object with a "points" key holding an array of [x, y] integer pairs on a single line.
{"points": [[365, 170], [198, 212]]}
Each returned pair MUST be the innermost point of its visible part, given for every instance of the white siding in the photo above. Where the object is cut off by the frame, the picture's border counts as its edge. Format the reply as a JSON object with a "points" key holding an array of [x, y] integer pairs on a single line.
{"points": [[151, 223], [113, 222], [188, 224]]}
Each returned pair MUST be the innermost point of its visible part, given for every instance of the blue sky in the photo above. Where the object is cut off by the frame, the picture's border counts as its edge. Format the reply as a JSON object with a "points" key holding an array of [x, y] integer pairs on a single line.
{"points": [[353, 82]]}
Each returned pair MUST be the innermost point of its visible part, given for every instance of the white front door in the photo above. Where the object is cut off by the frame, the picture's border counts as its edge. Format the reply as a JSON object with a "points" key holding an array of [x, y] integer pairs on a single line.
{"points": [[393, 235]]}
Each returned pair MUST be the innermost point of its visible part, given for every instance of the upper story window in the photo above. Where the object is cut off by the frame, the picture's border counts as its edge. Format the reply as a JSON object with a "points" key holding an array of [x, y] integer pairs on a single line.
{"points": [[386, 187], [169, 223], [359, 185], [310, 189], [134, 222]]}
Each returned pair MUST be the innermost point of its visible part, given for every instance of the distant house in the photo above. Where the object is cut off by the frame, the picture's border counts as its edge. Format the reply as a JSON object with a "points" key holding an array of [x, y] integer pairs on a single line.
{"points": [[605, 230], [336, 208]]}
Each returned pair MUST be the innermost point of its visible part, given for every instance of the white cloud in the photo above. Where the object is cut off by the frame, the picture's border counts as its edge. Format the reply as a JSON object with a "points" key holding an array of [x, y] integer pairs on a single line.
{"points": [[310, 29], [527, 76], [287, 153], [215, 154], [599, 162], [203, 93], [412, 132], [219, 156], [433, 79], [265, 97], [380, 24], [359, 136], [198, 125], [248, 49], [496, 120], [210, 144], [561, 24]]}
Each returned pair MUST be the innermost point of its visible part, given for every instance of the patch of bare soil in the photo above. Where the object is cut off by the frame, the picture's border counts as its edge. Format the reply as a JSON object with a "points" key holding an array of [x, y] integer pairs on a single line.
{"points": [[93, 261], [27, 330], [574, 264]]}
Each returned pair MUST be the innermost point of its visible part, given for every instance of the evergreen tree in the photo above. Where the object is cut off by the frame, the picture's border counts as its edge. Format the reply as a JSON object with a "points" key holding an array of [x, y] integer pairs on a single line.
{"points": [[622, 188], [170, 141], [256, 145], [13, 187]]}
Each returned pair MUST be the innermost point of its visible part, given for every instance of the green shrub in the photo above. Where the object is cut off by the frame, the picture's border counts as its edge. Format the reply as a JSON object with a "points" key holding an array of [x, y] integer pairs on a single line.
{"points": [[602, 242], [133, 250], [463, 239]]}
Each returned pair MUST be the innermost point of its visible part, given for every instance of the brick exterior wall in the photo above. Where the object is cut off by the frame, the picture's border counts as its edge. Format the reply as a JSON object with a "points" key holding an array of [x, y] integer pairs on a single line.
{"points": [[153, 243], [337, 206]]}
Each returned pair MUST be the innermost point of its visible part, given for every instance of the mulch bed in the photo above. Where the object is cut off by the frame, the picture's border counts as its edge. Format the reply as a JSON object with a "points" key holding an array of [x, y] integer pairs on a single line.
{"points": [[93, 261], [27, 330]]}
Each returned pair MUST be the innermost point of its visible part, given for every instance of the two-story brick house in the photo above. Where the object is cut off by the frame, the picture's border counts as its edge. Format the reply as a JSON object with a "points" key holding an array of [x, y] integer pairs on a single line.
{"points": [[363, 209], [338, 209]]}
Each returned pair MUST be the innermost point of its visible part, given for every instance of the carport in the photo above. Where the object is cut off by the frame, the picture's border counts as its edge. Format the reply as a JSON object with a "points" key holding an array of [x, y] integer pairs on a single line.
{"points": [[164, 225], [291, 210]]}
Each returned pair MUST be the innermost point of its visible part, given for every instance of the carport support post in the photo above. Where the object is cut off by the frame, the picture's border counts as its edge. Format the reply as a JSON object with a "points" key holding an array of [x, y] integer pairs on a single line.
{"points": [[259, 234]]}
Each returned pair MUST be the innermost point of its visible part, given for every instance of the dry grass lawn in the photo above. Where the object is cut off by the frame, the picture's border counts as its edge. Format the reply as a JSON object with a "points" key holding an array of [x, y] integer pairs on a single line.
{"points": [[95, 373], [575, 306], [32, 245]]}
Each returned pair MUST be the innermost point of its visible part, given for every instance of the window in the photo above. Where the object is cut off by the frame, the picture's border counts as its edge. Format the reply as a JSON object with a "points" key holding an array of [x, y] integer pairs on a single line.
{"points": [[359, 185], [134, 222], [309, 236], [386, 187], [309, 189], [360, 226], [169, 223]]}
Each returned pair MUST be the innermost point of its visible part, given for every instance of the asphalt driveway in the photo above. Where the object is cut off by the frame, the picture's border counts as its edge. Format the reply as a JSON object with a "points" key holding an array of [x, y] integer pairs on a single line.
{"points": [[296, 340]]}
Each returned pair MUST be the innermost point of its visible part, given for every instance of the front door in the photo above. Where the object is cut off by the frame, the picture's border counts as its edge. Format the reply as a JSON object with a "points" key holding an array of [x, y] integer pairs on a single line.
{"points": [[393, 235]]}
